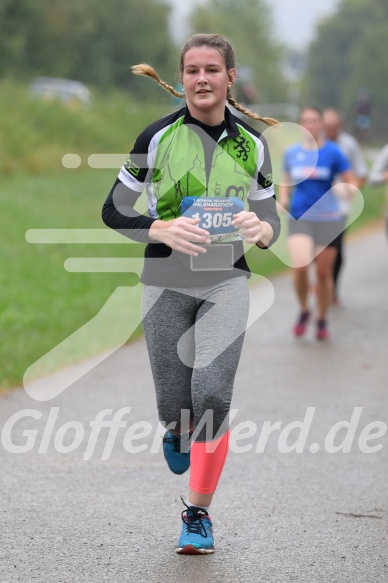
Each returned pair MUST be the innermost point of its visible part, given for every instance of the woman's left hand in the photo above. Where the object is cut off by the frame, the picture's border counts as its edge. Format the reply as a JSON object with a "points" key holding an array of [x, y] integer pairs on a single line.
{"points": [[249, 225]]}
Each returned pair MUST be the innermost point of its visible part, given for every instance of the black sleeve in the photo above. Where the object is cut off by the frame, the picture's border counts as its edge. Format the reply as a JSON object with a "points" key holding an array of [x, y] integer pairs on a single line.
{"points": [[119, 214], [265, 178], [265, 210]]}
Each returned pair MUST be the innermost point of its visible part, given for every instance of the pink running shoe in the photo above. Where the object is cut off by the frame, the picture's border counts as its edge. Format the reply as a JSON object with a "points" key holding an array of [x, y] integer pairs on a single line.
{"points": [[301, 325], [322, 331]]}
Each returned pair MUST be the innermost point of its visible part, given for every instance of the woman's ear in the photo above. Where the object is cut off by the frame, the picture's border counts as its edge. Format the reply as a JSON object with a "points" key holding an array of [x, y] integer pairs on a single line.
{"points": [[232, 74]]}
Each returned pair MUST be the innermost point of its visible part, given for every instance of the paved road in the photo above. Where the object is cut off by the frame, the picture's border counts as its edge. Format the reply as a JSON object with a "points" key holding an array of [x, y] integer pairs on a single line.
{"points": [[278, 517]]}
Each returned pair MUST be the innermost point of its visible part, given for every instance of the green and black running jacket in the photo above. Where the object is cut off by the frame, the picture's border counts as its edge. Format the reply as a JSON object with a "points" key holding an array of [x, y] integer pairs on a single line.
{"points": [[178, 156]]}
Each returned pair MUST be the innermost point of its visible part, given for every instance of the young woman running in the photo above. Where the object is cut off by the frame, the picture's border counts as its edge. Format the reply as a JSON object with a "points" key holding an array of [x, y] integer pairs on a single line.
{"points": [[316, 221], [198, 166]]}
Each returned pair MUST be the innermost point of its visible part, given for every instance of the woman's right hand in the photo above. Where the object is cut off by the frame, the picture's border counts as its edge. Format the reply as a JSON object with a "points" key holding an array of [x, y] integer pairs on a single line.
{"points": [[181, 234]]}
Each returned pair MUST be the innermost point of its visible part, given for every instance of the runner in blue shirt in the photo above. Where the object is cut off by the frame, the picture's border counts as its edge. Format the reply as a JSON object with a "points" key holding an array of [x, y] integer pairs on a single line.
{"points": [[316, 220]]}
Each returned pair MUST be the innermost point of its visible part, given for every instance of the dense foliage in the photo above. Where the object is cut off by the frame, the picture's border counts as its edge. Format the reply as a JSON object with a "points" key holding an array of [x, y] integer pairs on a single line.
{"points": [[348, 57], [91, 41]]}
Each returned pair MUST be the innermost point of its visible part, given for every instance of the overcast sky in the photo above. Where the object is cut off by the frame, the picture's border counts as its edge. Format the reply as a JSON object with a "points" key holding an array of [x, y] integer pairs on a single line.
{"points": [[294, 20]]}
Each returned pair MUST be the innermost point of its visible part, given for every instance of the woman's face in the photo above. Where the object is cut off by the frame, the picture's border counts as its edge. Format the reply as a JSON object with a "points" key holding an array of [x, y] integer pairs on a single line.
{"points": [[205, 80], [312, 121]]}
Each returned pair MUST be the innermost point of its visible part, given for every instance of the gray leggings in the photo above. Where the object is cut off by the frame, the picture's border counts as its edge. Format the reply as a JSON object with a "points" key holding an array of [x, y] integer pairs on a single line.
{"points": [[194, 339]]}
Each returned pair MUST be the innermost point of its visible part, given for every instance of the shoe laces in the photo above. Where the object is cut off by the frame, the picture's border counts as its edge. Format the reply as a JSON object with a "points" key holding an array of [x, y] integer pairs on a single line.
{"points": [[175, 441], [192, 517]]}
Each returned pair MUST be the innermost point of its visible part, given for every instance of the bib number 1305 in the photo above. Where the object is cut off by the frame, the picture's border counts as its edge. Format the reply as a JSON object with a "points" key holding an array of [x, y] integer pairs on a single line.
{"points": [[214, 220], [215, 214]]}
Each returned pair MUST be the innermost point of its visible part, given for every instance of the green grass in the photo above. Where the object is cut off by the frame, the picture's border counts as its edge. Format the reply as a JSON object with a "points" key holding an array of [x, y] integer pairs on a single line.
{"points": [[41, 303], [36, 134]]}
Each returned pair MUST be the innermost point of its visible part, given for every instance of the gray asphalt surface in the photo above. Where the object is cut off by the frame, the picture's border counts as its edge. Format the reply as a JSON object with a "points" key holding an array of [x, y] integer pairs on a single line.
{"points": [[278, 517]]}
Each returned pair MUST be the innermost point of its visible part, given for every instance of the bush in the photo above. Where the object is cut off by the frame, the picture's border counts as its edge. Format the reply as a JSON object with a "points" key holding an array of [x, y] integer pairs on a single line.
{"points": [[36, 134]]}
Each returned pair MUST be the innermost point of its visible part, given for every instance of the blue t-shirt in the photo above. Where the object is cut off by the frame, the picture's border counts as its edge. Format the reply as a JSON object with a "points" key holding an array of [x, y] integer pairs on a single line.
{"points": [[314, 172]]}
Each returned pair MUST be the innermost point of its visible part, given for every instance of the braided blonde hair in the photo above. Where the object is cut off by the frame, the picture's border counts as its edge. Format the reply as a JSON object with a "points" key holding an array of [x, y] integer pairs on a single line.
{"points": [[222, 45]]}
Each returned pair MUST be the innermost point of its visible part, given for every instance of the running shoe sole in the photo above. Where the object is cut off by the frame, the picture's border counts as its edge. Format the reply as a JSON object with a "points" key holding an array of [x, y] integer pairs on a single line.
{"points": [[192, 550]]}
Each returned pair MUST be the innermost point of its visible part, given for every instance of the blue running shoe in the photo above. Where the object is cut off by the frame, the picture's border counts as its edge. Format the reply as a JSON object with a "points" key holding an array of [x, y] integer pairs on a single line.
{"points": [[197, 532], [178, 461]]}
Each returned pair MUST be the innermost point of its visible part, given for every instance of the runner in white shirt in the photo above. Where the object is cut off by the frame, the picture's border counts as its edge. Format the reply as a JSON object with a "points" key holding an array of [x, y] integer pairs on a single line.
{"points": [[379, 174], [353, 152]]}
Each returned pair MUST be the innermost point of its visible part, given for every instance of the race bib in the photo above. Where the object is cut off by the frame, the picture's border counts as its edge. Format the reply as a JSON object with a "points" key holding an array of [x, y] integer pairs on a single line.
{"points": [[215, 214]]}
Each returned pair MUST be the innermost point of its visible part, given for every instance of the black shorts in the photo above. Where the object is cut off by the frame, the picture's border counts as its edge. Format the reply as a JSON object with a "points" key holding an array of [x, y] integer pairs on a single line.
{"points": [[323, 233]]}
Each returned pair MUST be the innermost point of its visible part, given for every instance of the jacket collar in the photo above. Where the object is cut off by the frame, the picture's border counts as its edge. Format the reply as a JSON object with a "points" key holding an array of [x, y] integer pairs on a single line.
{"points": [[231, 126]]}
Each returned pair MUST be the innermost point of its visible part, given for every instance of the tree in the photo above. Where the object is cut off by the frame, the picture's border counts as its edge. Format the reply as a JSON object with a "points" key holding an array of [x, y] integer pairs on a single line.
{"points": [[89, 40], [247, 24], [16, 18], [347, 55], [369, 68]]}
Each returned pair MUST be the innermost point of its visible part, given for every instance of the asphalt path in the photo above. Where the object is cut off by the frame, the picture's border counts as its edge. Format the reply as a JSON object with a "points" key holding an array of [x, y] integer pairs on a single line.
{"points": [[316, 515]]}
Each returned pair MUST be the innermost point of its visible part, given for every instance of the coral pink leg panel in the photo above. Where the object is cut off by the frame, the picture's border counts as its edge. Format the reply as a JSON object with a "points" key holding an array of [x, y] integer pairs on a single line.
{"points": [[207, 460]]}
